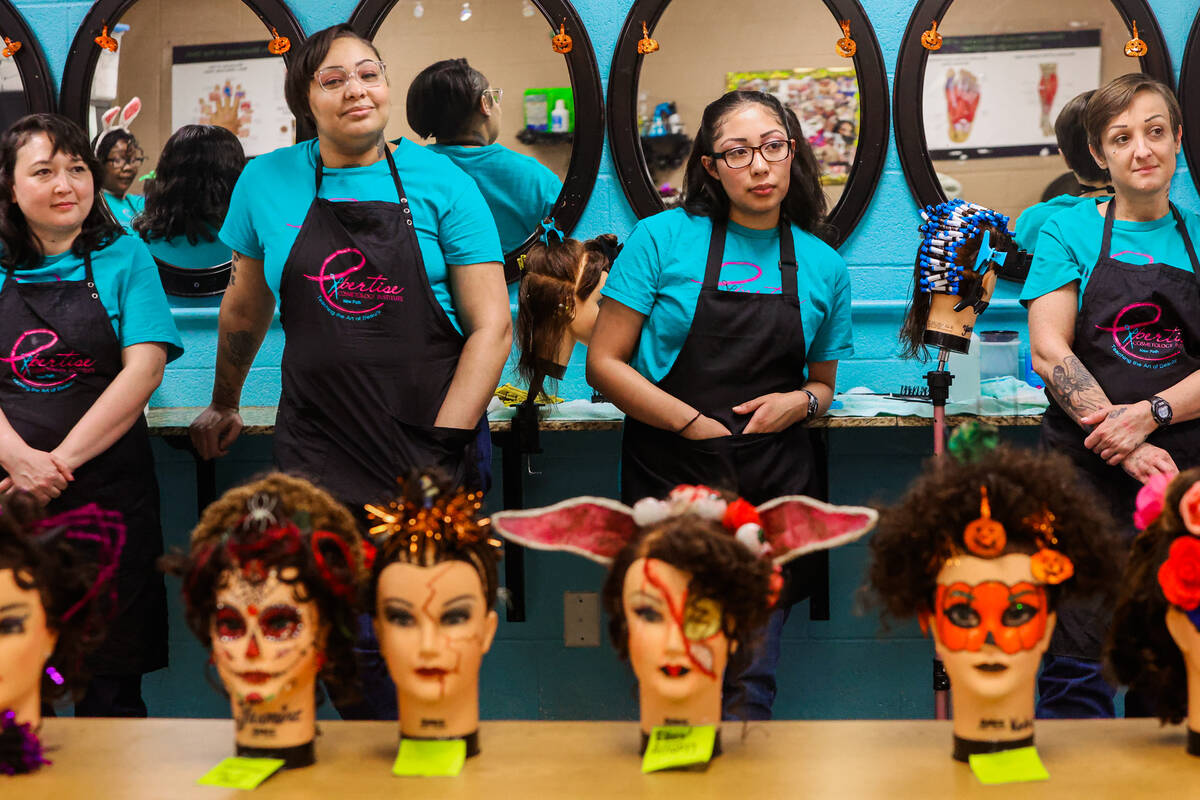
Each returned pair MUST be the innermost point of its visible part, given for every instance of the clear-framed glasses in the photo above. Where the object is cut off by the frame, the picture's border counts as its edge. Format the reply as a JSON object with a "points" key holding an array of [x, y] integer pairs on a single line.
{"points": [[333, 79], [496, 94], [740, 157], [132, 160]]}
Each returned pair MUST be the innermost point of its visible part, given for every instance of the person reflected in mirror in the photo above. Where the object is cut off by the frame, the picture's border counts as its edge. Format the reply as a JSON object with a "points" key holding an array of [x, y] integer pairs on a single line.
{"points": [[454, 103], [188, 197], [721, 329], [396, 324], [88, 332], [1114, 325], [121, 157], [1086, 180]]}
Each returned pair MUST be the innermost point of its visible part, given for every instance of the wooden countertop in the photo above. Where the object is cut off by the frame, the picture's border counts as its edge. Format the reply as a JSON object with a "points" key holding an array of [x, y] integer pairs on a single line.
{"points": [[260, 420], [159, 759]]}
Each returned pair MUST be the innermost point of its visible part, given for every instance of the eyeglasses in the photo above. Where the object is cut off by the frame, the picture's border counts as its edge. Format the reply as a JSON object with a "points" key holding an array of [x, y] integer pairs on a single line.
{"points": [[741, 157], [368, 73], [135, 161], [495, 93]]}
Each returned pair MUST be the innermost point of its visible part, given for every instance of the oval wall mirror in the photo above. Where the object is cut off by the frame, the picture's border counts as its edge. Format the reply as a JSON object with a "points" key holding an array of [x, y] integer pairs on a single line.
{"points": [[790, 50], [975, 118], [214, 63], [536, 152], [1189, 84], [26, 86]]}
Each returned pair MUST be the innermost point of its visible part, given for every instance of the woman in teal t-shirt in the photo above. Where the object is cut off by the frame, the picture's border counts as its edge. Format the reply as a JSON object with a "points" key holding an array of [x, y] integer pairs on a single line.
{"points": [[722, 326], [85, 332], [121, 157]]}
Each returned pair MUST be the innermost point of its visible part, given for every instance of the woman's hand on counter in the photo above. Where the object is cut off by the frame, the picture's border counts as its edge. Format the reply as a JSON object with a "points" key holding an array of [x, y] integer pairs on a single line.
{"points": [[774, 412], [1146, 461], [215, 430], [1119, 430], [42, 474]]}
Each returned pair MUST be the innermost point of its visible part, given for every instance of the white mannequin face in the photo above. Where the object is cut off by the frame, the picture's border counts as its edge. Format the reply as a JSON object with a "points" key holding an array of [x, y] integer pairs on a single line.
{"points": [[25, 646]]}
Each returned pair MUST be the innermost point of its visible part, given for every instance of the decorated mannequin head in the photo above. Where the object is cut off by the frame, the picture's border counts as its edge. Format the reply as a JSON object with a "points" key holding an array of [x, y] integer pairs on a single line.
{"points": [[1154, 642], [692, 579], [559, 299], [56, 594], [980, 549], [270, 588], [432, 593]]}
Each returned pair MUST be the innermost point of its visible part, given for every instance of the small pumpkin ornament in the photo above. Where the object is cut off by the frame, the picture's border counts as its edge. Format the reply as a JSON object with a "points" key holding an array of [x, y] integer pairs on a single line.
{"points": [[106, 41], [931, 39], [561, 43], [985, 537], [1050, 566], [10, 48], [1135, 47], [646, 45], [278, 44], [846, 47]]}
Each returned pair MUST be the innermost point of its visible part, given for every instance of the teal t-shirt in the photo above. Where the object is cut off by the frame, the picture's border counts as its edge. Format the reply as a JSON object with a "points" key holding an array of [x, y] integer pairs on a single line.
{"points": [[125, 208], [519, 189], [1030, 223], [129, 288], [1069, 245], [451, 219], [661, 269]]}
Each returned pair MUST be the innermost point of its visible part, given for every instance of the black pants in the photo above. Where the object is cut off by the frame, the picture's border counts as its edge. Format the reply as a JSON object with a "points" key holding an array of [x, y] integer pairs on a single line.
{"points": [[112, 696]]}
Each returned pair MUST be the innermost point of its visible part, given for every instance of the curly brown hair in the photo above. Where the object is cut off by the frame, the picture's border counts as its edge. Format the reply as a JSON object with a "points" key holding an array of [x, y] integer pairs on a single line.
{"points": [[918, 534], [63, 570], [329, 570], [1140, 651], [721, 568]]}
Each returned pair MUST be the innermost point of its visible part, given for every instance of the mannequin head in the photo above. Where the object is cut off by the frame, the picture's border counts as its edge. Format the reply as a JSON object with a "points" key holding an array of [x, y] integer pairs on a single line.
{"points": [[270, 586], [560, 298], [981, 549], [432, 593]]}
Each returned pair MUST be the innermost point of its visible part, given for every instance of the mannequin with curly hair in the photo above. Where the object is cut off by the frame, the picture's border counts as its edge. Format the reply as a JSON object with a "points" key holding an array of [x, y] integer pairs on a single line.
{"points": [[691, 581], [56, 597], [982, 550], [1154, 643], [433, 595], [270, 588]]}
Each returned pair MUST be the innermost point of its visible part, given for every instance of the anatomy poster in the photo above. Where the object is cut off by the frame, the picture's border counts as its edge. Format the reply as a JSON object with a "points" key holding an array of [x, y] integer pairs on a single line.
{"points": [[238, 86], [998, 95]]}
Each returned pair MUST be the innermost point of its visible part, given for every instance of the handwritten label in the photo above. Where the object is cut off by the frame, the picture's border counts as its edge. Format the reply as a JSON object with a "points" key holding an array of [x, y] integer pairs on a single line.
{"points": [[241, 773], [671, 747], [1009, 766], [430, 758]]}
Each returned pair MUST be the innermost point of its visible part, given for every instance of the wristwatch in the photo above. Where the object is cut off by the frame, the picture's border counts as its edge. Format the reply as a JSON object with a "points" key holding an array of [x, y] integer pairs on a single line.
{"points": [[814, 406], [1161, 411]]}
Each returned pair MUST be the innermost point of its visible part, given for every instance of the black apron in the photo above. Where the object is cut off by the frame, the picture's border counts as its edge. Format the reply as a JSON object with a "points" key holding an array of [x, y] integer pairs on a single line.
{"points": [[368, 354], [1138, 333], [740, 345], [60, 354]]}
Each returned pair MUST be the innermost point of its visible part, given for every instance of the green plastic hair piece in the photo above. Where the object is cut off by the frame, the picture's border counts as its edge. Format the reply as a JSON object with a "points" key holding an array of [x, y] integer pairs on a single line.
{"points": [[973, 440]]}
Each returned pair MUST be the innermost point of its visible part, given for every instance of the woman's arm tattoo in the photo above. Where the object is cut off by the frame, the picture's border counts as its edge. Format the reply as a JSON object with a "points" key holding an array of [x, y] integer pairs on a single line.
{"points": [[1075, 389]]}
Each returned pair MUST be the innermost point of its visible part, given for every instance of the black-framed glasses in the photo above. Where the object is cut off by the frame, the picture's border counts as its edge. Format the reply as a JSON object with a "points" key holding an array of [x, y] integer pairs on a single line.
{"points": [[119, 161], [369, 74], [742, 157]]}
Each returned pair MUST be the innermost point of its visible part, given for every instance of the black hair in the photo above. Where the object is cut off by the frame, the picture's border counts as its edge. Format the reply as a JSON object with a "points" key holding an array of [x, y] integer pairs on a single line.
{"points": [[103, 144], [443, 98], [189, 193], [1072, 135], [22, 249], [1066, 183], [703, 194], [305, 62]]}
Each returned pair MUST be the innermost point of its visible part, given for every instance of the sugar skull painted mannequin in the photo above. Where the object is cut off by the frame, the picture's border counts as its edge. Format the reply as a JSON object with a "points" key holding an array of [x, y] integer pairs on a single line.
{"points": [[691, 579], [1154, 642], [270, 587], [432, 592], [980, 548], [56, 594]]}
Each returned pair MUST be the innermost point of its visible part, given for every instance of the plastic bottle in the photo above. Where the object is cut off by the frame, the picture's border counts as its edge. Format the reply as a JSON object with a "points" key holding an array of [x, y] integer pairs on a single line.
{"points": [[965, 368], [559, 117]]}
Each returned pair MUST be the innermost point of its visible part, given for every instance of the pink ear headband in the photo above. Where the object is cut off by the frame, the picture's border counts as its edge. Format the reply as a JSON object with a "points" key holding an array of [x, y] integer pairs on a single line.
{"points": [[118, 119]]}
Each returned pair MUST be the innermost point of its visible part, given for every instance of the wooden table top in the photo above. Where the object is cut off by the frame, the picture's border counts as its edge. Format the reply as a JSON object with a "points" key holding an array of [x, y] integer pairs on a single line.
{"points": [[161, 759]]}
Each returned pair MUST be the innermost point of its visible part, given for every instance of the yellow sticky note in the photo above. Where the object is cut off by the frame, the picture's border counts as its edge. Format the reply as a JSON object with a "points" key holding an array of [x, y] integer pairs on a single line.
{"points": [[430, 758], [1009, 766], [241, 773], [671, 747]]}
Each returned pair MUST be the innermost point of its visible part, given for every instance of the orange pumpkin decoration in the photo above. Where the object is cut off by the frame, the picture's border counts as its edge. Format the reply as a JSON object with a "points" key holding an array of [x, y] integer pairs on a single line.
{"points": [[561, 43], [646, 45], [10, 48], [1050, 566], [1135, 47], [846, 47], [278, 44], [985, 537], [931, 39], [106, 41]]}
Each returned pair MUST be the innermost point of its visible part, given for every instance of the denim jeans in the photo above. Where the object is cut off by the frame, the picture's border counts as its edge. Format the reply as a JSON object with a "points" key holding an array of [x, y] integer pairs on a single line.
{"points": [[1073, 688], [749, 688], [378, 693]]}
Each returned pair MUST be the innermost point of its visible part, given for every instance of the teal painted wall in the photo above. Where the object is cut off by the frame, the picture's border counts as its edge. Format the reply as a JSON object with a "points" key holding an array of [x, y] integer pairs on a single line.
{"points": [[848, 667]]}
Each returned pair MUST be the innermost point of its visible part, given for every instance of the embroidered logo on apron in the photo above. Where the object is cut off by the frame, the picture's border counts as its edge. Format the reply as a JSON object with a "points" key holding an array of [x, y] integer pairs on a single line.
{"points": [[1139, 339], [36, 368], [359, 298]]}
